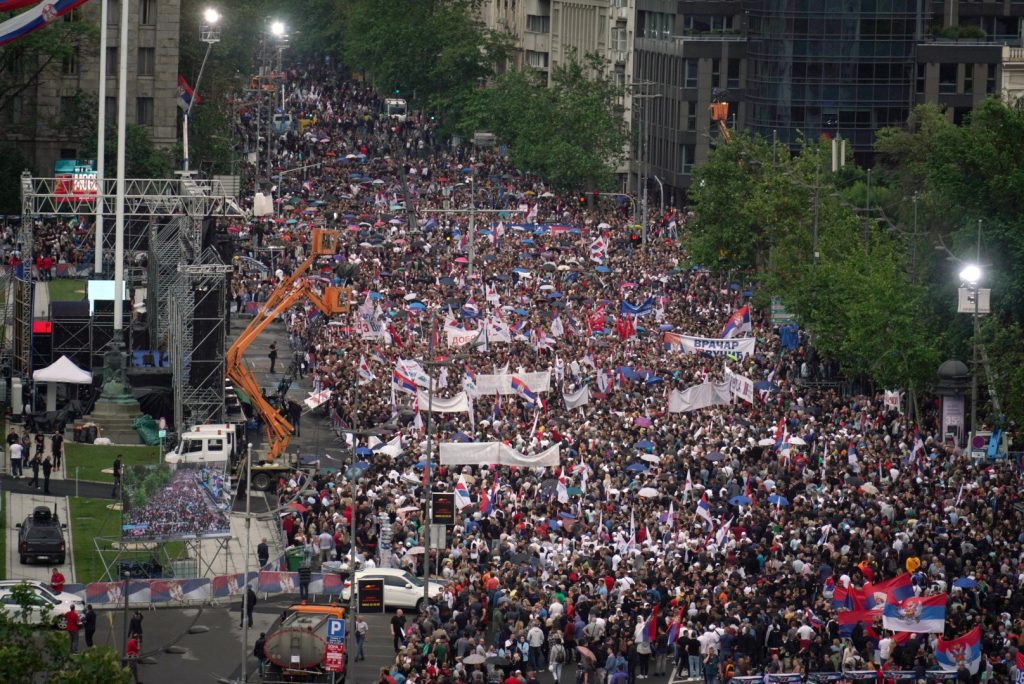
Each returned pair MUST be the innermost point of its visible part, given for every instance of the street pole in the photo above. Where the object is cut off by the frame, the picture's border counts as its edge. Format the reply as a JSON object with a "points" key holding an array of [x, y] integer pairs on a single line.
{"points": [[351, 615], [426, 488], [188, 110], [661, 196], [245, 567], [124, 649], [646, 153], [974, 370], [101, 140], [122, 115], [472, 223]]}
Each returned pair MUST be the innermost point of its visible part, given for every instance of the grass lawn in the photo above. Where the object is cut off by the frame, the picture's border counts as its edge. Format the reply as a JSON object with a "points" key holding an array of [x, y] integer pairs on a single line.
{"points": [[90, 518], [67, 290], [92, 459]]}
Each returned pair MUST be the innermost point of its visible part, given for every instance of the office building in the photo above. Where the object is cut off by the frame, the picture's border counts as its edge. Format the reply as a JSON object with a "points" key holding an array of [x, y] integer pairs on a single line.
{"points": [[43, 120]]}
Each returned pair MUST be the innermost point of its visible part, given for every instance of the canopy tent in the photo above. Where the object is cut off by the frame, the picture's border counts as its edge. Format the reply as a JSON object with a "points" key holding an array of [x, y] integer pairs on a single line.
{"points": [[61, 370]]}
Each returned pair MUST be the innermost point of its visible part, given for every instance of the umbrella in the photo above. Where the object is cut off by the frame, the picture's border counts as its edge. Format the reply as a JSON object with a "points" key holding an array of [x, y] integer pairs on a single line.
{"points": [[497, 661], [415, 550], [650, 458], [644, 444], [765, 441], [376, 295], [798, 441], [408, 509], [362, 464], [869, 488], [601, 269], [461, 260], [714, 456], [636, 468], [778, 500], [474, 659], [642, 422], [363, 451], [420, 464], [447, 281], [297, 506], [648, 492], [965, 583], [574, 491], [461, 437], [566, 516], [665, 327], [740, 500]]}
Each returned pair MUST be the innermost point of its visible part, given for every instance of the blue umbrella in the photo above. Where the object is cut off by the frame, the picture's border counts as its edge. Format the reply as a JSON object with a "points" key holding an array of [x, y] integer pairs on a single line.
{"points": [[603, 269], [363, 451], [460, 437], [420, 464], [644, 444], [529, 241], [376, 295], [566, 516], [362, 464], [740, 500], [291, 222], [447, 281], [636, 468], [965, 583], [554, 295], [665, 326], [520, 271], [778, 500], [419, 306], [521, 312], [554, 523]]}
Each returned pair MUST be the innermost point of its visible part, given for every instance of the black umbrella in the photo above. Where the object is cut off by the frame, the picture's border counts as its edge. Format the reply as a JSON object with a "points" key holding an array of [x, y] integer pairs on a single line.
{"points": [[498, 661], [548, 486]]}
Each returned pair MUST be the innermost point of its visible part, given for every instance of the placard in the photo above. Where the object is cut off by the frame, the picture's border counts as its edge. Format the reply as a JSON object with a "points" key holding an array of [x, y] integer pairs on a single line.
{"points": [[371, 596], [444, 508], [334, 659]]}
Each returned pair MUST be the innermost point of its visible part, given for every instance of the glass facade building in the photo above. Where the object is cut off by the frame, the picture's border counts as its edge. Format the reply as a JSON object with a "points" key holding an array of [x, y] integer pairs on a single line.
{"points": [[841, 67]]}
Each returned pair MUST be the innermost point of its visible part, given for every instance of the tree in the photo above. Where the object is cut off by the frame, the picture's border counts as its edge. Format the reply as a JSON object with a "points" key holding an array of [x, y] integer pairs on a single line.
{"points": [[571, 132], [12, 163], [25, 61], [32, 651]]}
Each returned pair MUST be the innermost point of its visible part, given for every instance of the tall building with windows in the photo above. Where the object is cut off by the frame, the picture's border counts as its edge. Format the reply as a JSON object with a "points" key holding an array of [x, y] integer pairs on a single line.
{"points": [[44, 120]]}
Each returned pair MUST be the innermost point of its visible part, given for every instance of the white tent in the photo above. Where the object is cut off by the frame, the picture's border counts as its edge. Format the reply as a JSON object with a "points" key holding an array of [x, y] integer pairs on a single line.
{"points": [[61, 370]]}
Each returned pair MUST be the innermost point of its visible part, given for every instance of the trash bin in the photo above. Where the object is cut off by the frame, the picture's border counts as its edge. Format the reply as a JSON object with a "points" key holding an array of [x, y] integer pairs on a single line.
{"points": [[294, 558]]}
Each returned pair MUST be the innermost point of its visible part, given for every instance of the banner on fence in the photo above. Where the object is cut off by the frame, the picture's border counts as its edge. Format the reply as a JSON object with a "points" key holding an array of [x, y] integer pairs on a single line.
{"points": [[179, 591], [226, 586], [278, 582]]}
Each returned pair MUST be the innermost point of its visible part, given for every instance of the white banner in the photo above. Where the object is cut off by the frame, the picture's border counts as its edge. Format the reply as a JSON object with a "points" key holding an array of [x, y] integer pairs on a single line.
{"points": [[458, 337], [316, 398], [741, 386], [366, 331], [501, 383], [495, 453], [580, 397], [708, 346], [457, 404], [893, 401], [414, 371], [698, 397]]}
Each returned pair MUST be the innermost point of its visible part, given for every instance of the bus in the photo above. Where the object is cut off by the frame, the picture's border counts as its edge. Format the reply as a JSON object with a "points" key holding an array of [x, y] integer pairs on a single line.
{"points": [[396, 108]]}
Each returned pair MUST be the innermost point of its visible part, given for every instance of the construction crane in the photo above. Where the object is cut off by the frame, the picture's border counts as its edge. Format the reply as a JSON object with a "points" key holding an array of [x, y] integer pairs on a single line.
{"points": [[720, 114], [293, 289]]}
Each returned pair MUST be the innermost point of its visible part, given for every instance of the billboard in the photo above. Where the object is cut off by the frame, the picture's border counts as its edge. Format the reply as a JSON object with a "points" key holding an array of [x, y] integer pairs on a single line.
{"points": [[444, 508], [371, 595], [192, 501]]}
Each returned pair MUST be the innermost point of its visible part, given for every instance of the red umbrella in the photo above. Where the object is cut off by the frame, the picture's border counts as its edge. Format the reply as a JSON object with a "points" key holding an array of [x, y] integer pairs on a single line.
{"points": [[297, 506]]}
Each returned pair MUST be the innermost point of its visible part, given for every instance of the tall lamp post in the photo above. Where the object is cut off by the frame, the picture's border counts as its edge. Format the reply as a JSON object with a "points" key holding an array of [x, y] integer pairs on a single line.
{"points": [[970, 276], [209, 33]]}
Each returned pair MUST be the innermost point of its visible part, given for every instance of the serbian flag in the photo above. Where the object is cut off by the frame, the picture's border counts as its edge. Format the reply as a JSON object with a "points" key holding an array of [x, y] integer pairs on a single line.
{"points": [[651, 628], [921, 615], [737, 324], [780, 435], [848, 598], [704, 511], [462, 498], [894, 590], [32, 20], [848, 619], [402, 383], [1020, 668], [186, 95], [486, 507], [964, 650], [522, 390]]}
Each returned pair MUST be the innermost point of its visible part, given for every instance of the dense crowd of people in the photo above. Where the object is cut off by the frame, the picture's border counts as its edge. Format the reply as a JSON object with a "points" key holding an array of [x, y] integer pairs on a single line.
{"points": [[729, 540], [189, 505]]}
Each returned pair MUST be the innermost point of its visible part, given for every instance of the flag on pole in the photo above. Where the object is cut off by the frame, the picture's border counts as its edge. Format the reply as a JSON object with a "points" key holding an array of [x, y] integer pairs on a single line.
{"points": [[964, 650], [462, 498], [704, 511], [563, 487], [922, 615], [365, 374], [737, 324]]}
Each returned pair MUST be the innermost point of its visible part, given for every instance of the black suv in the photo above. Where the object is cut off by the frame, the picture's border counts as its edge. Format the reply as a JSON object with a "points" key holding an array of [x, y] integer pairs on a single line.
{"points": [[41, 537]]}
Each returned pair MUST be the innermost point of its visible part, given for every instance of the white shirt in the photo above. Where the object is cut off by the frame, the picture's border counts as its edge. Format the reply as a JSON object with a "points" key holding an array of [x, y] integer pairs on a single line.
{"points": [[16, 450], [806, 632]]}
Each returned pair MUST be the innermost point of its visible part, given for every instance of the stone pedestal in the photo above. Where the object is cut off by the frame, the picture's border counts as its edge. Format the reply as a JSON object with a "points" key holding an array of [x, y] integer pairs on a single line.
{"points": [[114, 418]]}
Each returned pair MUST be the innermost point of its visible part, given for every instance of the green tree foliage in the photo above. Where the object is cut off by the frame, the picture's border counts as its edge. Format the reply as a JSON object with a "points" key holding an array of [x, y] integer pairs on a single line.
{"points": [[143, 159], [755, 209], [570, 133], [12, 163], [35, 651]]}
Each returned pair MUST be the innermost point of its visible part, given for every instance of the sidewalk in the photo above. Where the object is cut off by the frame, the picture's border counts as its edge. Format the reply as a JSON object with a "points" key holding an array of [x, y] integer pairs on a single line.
{"points": [[19, 507]]}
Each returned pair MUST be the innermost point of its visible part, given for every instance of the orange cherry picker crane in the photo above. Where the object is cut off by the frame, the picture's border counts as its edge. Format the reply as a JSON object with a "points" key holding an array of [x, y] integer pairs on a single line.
{"points": [[293, 289]]}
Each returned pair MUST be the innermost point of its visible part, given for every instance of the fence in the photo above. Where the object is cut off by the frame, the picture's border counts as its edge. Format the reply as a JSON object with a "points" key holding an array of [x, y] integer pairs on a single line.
{"points": [[848, 677]]}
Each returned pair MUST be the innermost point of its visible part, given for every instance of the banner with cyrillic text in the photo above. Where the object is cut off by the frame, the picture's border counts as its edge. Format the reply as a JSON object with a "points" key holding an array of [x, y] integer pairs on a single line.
{"points": [[740, 347]]}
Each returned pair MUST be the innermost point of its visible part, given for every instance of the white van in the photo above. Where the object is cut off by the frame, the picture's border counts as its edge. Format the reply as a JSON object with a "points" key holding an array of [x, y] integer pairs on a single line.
{"points": [[396, 108], [228, 430], [201, 446]]}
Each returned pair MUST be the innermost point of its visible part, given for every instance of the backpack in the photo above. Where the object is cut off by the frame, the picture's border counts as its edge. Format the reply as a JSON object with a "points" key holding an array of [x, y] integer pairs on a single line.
{"points": [[558, 653]]}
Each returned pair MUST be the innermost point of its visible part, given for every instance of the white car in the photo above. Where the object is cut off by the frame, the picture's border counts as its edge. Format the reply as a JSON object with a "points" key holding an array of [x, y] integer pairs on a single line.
{"points": [[402, 589], [43, 597]]}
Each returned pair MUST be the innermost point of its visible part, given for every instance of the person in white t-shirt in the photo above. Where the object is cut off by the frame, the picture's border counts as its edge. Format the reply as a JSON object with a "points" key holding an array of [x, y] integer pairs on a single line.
{"points": [[17, 453]]}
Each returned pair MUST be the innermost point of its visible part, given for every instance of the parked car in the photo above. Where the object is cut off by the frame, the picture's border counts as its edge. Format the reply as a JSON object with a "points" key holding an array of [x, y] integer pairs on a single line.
{"points": [[41, 537], [402, 589], [42, 596]]}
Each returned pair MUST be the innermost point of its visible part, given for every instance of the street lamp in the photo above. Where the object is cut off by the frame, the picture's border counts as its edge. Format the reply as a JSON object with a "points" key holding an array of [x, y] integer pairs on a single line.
{"points": [[970, 275], [277, 28], [209, 33]]}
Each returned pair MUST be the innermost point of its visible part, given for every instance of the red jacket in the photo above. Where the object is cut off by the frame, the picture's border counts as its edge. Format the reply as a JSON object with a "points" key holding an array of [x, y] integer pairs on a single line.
{"points": [[71, 617]]}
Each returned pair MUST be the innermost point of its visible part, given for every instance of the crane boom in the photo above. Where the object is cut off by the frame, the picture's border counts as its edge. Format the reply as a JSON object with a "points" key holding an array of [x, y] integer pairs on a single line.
{"points": [[332, 300]]}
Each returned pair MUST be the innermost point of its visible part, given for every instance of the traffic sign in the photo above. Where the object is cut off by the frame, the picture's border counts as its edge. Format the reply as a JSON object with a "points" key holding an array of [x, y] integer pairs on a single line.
{"points": [[334, 658], [335, 631]]}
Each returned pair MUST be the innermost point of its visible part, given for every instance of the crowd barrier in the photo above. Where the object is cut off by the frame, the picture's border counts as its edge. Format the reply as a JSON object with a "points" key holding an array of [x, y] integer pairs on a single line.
{"points": [[848, 677], [177, 592]]}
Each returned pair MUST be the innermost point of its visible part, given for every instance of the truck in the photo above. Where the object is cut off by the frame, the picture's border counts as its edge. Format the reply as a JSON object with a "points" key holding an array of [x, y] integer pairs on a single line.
{"points": [[41, 537], [223, 443], [298, 649], [396, 108]]}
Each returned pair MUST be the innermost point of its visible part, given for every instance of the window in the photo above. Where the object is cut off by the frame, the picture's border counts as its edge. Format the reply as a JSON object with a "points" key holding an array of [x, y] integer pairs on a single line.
{"points": [[538, 24], [947, 78], [69, 65], [144, 111], [147, 12], [990, 82], [112, 62], [619, 38], [14, 109], [111, 107], [968, 79], [686, 154], [537, 60], [68, 109], [690, 74], [734, 74], [716, 72], [920, 79], [147, 61], [691, 116]]}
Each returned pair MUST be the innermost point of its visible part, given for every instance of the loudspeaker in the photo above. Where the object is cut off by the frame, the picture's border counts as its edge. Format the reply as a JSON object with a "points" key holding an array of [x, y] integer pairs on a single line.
{"points": [[207, 369]]}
